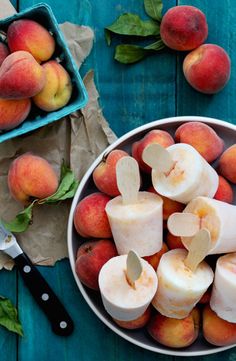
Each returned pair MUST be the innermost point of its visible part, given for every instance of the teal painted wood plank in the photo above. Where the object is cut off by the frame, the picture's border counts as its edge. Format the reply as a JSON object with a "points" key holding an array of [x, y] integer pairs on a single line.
{"points": [[14, 3], [219, 105], [129, 95], [8, 340], [91, 340]]}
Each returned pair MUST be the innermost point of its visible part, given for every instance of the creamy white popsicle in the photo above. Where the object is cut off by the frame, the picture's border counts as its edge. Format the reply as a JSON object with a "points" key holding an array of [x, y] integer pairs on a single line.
{"points": [[223, 296], [219, 218], [122, 301], [179, 289], [189, 177], [137, 226]]}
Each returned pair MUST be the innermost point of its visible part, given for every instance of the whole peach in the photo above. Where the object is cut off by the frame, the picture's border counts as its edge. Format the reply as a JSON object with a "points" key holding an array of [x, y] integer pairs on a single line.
{"points": [[13, 112], [90, 218], [90, 258], [173, 332], [4, 52], [31, 176], [57, 90], [217, 331], [202, 137], [21, 76], [104, 175], [224, 192], [184, 28], [29, 35], [139, 322], [153, 136], [227, 164], [207, 68]]}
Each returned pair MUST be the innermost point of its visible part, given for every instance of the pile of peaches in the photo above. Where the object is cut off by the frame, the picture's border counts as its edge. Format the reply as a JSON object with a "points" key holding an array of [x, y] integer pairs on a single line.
{"points": [[207, 66], [97, 247], [29, 74]]}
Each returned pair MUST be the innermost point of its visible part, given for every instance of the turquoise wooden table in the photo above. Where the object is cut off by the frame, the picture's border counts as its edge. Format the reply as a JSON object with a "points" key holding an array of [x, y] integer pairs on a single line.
{"points": [[129, 96]]}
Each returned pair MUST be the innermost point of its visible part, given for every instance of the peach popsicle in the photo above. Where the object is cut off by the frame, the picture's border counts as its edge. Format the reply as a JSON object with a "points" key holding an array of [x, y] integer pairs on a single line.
{"points": [[122, 300], [224, 288], [216, 216], [135, 217], [180, 172], [179, 287]]}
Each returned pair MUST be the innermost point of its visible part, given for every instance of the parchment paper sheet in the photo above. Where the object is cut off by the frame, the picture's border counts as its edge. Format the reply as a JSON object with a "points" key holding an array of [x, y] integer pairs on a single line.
{"points": [[78, 138]]}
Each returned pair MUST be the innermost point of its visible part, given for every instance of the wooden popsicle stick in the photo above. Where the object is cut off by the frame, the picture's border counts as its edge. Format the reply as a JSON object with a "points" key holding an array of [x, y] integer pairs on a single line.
{"points": [[158, 158], [183, 224], [134, 268], [198, 249], [6, 9], [128, 179]]}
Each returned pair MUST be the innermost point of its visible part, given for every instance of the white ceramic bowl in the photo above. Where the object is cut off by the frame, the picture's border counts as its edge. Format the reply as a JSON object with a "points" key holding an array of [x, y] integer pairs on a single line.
{"points": [[140, 338]]}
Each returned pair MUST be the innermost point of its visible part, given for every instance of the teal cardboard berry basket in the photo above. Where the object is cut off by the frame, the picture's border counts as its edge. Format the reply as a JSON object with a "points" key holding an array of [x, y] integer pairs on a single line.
{"points": [[37, 118]]}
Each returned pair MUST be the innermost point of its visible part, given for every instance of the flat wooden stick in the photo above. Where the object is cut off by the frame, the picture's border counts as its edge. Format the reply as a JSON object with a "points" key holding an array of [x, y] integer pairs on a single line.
{"points": [[6, 9], [198, 249], [134, 268], [158, 158], [128, 179], [183, 224]]}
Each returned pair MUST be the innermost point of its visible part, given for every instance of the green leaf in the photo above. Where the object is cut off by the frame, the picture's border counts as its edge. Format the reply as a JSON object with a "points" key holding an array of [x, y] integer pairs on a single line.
{"points": [[132, 24], [9, 317], [128, 54], [22, 221], [66, 189], [156, 46], [71, 192], [154, 9]]}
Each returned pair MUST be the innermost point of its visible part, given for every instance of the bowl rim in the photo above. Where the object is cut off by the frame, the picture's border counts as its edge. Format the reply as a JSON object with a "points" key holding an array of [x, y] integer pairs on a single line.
{"points": [[153, 124]]}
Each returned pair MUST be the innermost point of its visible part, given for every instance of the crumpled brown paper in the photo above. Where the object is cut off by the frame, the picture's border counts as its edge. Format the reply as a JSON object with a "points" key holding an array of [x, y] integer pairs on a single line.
{"points": [[78, 138]]}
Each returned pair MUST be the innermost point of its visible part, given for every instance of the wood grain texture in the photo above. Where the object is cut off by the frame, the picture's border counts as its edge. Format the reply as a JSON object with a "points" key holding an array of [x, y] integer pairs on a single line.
{"points": [[129, 95], [8, 341], [221, 23]]}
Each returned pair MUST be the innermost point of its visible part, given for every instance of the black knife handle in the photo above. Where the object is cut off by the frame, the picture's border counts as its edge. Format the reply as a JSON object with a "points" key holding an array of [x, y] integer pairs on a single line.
{"points": [[60, 320]]}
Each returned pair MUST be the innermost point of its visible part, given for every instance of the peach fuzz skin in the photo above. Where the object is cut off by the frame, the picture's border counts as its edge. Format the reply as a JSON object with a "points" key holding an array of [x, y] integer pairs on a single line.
{"points": [[227, 164], [173, 241], [202, 137], [207, 68], [183, 28], [31, 176], [173, 332], [13, 112], [154, 136], [29, 35], [169, 206], [154, 259], [90, 218], [4, 52], [137, 323], [217, 331], [21, 76], [90, 258], [104, 175], [57, 90], [224, 192]]}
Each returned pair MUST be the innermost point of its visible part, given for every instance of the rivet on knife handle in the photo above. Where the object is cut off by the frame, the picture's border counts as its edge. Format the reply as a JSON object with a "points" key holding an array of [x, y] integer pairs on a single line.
{"points": [[60, 320]]}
